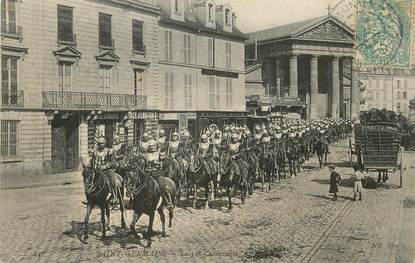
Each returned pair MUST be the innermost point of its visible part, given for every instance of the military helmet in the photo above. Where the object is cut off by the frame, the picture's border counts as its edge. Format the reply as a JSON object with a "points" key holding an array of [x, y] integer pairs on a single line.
{"points": [[100, 140], [162, 132], [204, 136], [175, 134]]}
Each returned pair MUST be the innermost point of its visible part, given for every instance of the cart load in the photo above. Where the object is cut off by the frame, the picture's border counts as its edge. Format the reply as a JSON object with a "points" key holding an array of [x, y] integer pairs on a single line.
{"points": [[378, 144]]}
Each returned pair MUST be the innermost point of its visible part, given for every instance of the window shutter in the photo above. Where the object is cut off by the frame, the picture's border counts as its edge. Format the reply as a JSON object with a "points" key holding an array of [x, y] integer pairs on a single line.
{"points": [[171, 92], [217, 94], [170, 46]]}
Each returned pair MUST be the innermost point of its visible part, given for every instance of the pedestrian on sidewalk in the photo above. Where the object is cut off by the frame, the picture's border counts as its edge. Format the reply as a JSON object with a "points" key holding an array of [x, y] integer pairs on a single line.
{"points": [[334, 181], [357, 177]]}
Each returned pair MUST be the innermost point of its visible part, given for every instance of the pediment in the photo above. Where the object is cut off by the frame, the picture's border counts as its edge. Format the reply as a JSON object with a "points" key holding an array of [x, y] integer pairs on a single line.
{"points": [[68, 51], [327, 30], [108, 56]]}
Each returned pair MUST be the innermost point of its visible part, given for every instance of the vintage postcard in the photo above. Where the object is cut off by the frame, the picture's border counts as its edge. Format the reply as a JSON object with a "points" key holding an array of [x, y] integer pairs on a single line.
{"points": [[207, 131]]}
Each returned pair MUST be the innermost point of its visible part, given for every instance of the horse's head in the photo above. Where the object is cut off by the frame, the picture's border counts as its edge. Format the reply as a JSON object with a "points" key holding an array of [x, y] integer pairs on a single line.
{"points": [[88, 175], [193, 162], [132, 179], [224, 159], [129, 181]]}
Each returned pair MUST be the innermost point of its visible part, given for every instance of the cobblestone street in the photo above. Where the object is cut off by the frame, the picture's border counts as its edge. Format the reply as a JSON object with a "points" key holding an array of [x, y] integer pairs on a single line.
{"points": [[294, 222]]}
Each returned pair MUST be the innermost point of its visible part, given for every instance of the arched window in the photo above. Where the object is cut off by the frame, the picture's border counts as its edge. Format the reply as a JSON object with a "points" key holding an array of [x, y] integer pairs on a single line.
{"points": [[176, 6], [227, 20], [210, 12]]}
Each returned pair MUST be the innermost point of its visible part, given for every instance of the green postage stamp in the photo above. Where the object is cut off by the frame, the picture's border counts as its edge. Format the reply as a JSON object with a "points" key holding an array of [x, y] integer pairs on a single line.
{"points": [[383, 32]]}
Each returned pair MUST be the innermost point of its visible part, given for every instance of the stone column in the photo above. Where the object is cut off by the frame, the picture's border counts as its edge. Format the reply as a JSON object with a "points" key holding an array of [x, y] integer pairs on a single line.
{"points": [[354, 94], [293, 76], [335, 99], [314, 88], [279, 82]]}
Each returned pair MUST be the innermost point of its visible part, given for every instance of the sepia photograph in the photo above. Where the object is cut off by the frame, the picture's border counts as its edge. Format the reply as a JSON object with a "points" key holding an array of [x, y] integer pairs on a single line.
{"points": [[207, 131]]}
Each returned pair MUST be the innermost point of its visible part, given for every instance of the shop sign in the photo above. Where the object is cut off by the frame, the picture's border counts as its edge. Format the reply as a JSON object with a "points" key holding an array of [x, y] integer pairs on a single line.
{"points": [[108, 116], [144, 115], [220, 73]]}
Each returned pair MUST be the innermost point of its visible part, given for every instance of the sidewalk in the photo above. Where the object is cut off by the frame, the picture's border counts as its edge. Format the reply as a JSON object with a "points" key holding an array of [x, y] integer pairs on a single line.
{"points": [[18, 182]]}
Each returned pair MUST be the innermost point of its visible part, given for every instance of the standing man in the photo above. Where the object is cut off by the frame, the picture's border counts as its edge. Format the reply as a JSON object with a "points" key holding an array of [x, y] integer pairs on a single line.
{"points": [[334, 181]]}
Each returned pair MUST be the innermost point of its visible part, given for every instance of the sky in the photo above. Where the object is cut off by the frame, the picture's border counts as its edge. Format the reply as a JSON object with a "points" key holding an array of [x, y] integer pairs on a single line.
{"points": [[253, 15]]}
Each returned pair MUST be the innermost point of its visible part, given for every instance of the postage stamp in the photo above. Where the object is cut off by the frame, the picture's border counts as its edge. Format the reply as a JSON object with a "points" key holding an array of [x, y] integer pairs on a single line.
{"points": [[383, 32]]}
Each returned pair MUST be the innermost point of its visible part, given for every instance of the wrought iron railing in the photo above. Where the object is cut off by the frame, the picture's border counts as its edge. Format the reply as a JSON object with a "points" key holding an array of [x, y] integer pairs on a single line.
{"points": [[89, 100], [12, 31], [12, 99]]}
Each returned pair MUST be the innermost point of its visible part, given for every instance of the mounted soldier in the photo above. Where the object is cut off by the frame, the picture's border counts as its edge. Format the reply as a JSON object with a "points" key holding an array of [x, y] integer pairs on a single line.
{"points": [[162, 141], [205, 151], [175, 150], [153, 155], [237, 152], [144, 143], [106, 162]]}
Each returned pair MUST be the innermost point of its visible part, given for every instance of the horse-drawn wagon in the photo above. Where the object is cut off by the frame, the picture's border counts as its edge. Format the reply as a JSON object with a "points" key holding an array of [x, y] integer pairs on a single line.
{"points": [[377, 146]]}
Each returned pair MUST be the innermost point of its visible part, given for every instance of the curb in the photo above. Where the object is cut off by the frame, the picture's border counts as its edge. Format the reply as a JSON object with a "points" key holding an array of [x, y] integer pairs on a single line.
{"points": [[37, 185]]}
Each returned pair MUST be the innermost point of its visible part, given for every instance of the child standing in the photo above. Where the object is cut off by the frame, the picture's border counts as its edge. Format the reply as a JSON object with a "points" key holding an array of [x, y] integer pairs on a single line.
{"points": [[357, 180], [334, 181]]}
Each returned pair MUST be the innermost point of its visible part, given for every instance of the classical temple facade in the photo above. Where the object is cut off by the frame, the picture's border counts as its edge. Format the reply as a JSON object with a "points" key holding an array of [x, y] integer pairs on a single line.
{"points": [[308, 67]]}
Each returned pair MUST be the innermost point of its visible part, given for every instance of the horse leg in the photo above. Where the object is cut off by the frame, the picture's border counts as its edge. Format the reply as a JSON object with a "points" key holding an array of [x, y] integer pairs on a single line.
{"points": [[163, 221], [120, 194], [107, 212], [212, 190], [88, 213], [103, 221], [136, 216], [194, 195], [207, 195], [243, 193], [150, 229], [262, 179], [229, 194], [170, 217]]}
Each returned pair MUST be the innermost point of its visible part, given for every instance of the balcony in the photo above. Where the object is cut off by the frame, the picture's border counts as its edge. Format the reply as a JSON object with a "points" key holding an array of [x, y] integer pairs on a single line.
{"points": [[12, 99], [15, 32], [92, 101]]}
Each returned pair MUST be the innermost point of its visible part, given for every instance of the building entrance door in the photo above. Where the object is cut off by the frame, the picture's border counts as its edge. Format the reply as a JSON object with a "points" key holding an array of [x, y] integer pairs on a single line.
{"points": [[65, 141]]}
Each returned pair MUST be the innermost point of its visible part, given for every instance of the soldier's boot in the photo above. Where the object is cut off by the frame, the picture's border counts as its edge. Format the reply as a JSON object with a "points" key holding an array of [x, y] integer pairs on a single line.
{"points": [[360, 196], [354, 197]]}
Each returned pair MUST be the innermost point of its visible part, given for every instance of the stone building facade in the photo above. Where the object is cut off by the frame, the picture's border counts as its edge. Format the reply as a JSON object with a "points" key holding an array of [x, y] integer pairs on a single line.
{"points": [[201, 65], [387, 88], [304, 67], [71, 71]]}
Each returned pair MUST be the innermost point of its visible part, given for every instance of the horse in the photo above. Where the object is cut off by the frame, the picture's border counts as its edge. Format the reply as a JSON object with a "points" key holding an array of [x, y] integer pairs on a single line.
{"points": [[97, 191], [172, 169], [322, 148], [232, 176], [267, 163], [251, 159], [200, 176], [280, 155], [292, 152], [148, 195]]}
